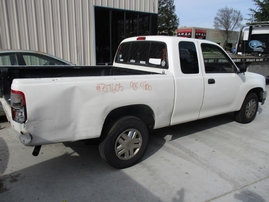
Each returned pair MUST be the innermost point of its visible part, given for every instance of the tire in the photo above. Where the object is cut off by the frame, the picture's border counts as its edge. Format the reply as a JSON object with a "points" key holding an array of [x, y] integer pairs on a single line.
{"points": [[126, 142], [248, 111]]}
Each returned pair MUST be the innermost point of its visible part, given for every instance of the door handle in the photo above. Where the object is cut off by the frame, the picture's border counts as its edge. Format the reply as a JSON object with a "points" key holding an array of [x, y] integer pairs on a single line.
{"points": [[211, 81]]}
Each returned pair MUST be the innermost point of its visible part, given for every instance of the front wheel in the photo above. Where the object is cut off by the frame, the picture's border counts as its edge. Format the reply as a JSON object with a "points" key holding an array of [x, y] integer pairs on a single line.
{"points": [[126, 142], [248, 110]]}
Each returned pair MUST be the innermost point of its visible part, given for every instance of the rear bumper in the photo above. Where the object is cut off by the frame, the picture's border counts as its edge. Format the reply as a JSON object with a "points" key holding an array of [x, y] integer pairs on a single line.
{"points": [[24, 136]]}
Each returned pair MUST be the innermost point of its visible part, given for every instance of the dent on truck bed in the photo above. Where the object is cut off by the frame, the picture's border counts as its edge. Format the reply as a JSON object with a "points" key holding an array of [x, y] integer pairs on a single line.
{"points": [[72, 112]]}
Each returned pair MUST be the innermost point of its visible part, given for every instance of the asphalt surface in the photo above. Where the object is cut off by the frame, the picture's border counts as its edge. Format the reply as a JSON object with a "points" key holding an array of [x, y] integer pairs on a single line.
{"points": [[215, 159]]}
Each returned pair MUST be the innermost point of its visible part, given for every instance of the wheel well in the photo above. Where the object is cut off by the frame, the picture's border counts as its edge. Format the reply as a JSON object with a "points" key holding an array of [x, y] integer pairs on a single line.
{"points": [[143, 112], [257, 91]]}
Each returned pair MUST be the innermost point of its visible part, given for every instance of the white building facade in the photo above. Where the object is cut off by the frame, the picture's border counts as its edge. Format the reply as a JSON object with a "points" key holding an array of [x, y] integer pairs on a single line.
{"points": [[84, 32]]}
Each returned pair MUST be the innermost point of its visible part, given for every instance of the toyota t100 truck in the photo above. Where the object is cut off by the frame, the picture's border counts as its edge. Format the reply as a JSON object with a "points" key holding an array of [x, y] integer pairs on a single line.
{"points": [[154, 82]]}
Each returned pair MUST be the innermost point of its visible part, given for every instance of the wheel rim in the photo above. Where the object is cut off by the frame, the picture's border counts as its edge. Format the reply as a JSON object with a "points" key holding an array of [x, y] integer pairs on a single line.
{"points": [[251, 108], [128, 144]]}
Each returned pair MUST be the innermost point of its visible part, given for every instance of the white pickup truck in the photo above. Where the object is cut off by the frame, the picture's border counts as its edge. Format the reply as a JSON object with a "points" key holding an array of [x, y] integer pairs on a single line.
{"points": [[154, 82]]}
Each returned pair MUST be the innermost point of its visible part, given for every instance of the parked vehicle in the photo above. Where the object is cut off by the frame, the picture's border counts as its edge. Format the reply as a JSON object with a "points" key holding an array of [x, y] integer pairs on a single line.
{"points": [[154, 82], [254, 39], [27, 57]]}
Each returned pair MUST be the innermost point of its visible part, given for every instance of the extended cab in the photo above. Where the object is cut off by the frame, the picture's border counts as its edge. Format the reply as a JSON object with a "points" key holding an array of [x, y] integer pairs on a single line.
{"points": [[154, 82]]}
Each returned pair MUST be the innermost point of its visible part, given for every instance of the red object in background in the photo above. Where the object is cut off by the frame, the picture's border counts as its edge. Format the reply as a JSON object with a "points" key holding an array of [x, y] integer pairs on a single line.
{"points": [[200, 34], [184, 33]]}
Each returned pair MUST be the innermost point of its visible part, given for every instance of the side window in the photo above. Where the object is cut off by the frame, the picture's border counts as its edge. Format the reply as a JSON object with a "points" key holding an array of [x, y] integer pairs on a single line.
{"points": [[188, 58], [33, 59], [152, 54], [8, 59], [215, 60]]}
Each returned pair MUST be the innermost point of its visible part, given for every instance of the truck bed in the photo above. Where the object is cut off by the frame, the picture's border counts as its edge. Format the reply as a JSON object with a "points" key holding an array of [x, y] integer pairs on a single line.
{"points": [[8, 73]]}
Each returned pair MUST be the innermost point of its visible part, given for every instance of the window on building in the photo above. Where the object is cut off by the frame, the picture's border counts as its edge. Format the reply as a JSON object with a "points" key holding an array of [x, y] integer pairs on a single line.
{"points": [[112, 26]]}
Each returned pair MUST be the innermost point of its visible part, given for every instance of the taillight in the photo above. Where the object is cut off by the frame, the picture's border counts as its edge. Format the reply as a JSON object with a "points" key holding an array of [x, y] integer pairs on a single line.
{"points": [[18, 106]]}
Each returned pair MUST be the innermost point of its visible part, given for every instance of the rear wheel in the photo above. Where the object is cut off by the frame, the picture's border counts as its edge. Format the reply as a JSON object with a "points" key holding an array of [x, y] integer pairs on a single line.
{"points": [[248, 110], [126, 142]]}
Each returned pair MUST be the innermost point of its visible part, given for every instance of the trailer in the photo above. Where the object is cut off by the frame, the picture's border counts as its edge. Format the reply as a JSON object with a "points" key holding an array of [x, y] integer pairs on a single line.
{"points": [[254, 39]]}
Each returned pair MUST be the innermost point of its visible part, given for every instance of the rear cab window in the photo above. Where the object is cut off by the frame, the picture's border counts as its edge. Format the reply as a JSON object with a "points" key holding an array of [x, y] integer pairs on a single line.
{"points": [[145, 53]]}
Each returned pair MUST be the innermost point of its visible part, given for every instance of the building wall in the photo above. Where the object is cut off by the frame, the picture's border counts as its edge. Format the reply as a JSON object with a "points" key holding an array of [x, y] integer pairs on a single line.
{"points": [[215, 35], [218, 36], [64, 28]]}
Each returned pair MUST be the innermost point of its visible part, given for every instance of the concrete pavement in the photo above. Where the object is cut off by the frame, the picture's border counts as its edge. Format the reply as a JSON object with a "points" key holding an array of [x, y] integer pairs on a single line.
{"points": [[215, 159]]}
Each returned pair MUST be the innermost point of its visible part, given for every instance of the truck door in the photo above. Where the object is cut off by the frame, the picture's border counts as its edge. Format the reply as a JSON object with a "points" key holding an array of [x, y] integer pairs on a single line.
{"points": [[221, 81], [189, 87]]}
